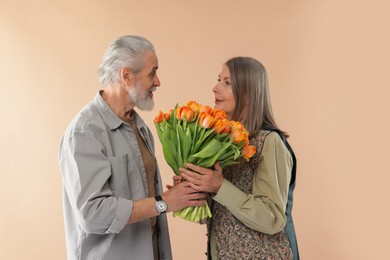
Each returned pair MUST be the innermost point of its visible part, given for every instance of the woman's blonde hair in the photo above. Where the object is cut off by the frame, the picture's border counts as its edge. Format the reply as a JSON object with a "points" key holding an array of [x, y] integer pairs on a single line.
{"points": [[251, 93]]}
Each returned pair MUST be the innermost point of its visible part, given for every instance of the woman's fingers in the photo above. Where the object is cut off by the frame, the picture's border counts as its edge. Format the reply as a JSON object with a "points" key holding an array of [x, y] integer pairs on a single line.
{"points": [[198, 169]]}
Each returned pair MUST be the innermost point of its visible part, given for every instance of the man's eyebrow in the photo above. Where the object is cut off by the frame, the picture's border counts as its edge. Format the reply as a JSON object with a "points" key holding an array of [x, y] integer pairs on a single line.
{"points": [[154, 69]]}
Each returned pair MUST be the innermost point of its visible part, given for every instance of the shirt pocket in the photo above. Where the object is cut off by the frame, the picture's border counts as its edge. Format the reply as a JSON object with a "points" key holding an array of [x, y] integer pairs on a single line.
{"points": [[125, 177]]}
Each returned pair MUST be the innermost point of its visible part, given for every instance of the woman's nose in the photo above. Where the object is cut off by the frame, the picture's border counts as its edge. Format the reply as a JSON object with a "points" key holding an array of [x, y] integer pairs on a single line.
{"points": [[215, 88]]}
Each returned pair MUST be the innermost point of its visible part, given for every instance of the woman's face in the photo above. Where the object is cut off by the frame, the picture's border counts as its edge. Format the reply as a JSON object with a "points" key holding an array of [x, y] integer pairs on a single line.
{"points": [[224, 99]]}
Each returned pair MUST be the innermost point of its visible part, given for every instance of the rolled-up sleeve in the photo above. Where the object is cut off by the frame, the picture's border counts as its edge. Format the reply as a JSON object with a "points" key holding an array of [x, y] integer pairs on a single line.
{"points": [[85, 172], [264, 209]]}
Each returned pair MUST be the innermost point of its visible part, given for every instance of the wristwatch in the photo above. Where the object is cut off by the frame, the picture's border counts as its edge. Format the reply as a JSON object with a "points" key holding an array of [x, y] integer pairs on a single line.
{"points": [[161, 205]]}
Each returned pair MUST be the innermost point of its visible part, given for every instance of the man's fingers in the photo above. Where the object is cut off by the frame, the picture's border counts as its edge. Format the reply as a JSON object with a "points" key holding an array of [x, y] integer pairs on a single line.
{"points": [[177, 178]]}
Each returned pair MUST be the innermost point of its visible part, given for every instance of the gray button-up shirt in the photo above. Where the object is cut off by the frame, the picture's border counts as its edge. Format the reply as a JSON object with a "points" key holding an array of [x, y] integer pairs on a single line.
{"points": [[103, 174]]}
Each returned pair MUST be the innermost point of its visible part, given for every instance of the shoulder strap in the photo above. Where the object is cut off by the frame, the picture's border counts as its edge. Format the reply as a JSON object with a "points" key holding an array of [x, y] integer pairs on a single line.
{"points": [[284, 139], [290, 231]]}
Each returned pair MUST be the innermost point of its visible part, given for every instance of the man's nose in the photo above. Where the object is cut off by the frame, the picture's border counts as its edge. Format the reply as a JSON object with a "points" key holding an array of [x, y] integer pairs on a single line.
{"points": [[157, 82]]}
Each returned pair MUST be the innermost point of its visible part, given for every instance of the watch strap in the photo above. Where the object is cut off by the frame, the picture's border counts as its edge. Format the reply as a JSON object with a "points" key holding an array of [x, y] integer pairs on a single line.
{"points": [[159, 198]]}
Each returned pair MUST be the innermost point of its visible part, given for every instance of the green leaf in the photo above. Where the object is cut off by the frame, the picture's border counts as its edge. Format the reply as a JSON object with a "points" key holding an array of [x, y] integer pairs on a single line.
{"points": [[222, 137], [237, 153], [159, 131], [170, 149], [203, 139], [186, 147], [185, 142], [167, 134], [228, 153], [179, 158], [180, 130], [227, 162], [194, 130], [167, 131], [210, 149], [208, 162], [170, 155], [172, 119]]}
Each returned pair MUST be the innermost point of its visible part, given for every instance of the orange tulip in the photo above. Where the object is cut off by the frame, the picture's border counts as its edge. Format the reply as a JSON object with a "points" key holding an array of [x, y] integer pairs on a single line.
{"points": [[239, 136], [195, 107], [248, 151], [221, 126], [159, 118], [206, 109], [185, 113], [206, 120], [168, 115], [218, 114], [237, 126]]}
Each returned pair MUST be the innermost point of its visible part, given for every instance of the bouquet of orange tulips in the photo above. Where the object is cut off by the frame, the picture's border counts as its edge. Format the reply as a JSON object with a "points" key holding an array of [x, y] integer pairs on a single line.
{"points": [[200, 135]]}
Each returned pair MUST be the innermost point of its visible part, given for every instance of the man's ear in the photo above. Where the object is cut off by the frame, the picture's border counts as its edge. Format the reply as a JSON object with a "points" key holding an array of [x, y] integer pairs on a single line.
{"points": [[127, 76]]}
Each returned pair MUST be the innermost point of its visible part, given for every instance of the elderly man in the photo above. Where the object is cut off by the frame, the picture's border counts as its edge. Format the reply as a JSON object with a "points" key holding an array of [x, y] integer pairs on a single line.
{"points": [[114, 204]]}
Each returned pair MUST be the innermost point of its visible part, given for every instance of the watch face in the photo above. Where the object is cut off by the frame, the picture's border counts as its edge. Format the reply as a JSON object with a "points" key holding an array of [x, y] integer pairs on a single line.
{"points": [[161, 206]]}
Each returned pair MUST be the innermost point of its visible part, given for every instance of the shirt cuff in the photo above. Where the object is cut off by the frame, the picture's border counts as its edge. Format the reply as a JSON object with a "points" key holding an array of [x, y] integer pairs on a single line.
{"points": [[229, 194], [123, 213]]}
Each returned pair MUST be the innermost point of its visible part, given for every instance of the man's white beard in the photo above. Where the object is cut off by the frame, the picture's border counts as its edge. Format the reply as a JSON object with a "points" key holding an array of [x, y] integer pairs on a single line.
{"points": [[140, 98]]}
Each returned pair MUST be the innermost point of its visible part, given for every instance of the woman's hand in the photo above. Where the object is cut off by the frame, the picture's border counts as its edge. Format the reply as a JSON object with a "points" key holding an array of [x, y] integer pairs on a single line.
{"points": [[203, 179]]}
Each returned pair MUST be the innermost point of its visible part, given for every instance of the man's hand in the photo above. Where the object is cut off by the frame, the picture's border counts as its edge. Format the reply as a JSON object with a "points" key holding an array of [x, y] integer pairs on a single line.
{"points": [[182, 195], [176, 180]]}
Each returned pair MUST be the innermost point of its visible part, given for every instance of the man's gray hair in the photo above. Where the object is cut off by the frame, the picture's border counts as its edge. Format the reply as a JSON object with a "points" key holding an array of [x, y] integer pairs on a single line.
{"points": [[126, 51]]}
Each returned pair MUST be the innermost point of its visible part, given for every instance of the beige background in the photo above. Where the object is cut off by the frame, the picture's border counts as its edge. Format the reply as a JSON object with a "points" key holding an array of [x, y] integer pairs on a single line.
{"points": [[328, 63]]}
